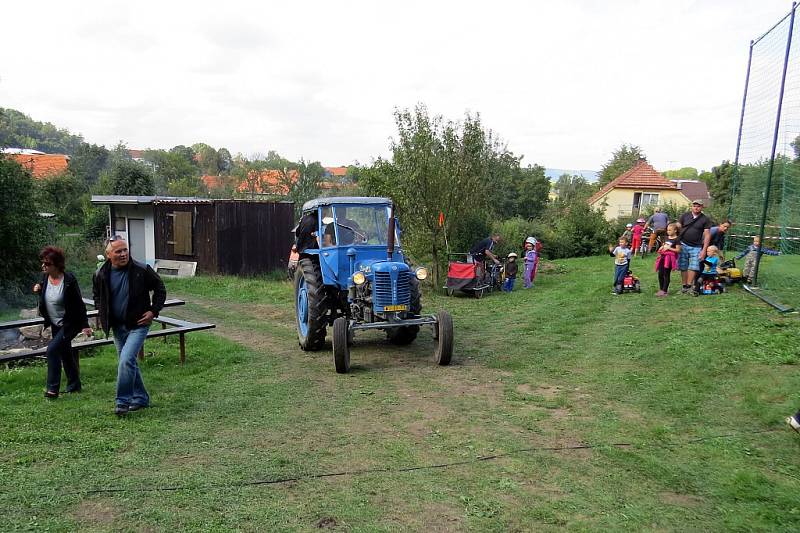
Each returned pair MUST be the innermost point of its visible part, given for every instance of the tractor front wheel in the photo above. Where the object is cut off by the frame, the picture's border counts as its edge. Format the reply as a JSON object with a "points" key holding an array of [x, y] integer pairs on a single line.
{"points": [[341, 348], [444, 338], [311, 305]]}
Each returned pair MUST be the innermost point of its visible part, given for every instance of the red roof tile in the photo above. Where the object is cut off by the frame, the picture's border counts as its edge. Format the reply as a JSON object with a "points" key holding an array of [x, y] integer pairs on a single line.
{"points": [[213, 182], [42, 165], [136, 154], [641, 176], [268, 182], [337, 172]]}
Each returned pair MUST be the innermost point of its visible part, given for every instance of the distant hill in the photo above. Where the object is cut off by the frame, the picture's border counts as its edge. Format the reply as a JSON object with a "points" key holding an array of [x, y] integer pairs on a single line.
{"points": [[18, 130], [555, 173]]}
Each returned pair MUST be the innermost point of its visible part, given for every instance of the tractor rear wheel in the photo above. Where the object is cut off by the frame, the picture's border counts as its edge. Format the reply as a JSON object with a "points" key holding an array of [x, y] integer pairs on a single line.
{"points": [[444, 338], [311, 305], [341, 348], [407, 334]]}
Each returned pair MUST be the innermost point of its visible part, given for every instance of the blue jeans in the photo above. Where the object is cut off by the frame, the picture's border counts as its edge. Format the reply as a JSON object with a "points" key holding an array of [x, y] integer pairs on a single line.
{"points": [[619, 276], [60, 352], [508, 284], [130, 387]]}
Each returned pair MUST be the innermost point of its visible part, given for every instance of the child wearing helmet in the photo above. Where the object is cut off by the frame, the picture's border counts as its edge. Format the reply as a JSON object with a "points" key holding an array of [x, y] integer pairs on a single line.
{"points": [[531, 261], [511, 269], [628, 233]]}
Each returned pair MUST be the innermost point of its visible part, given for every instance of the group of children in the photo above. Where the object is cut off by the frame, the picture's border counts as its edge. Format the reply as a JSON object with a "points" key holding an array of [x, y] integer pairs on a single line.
{"points": [[633, 234], [667, 261], [531, 247]]}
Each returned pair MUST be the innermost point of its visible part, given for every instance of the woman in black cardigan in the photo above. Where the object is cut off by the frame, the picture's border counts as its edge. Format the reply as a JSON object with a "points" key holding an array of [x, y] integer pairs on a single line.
{"points": [[63, 310]]}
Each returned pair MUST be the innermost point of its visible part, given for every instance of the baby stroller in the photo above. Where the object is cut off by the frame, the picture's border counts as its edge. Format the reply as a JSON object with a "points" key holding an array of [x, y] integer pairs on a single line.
{"points": [[469, 278], [630, 283]]}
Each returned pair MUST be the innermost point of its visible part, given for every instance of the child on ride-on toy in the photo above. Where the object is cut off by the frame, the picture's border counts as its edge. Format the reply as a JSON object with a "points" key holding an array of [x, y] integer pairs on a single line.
{"points": [[622, 259], [708, 282]]}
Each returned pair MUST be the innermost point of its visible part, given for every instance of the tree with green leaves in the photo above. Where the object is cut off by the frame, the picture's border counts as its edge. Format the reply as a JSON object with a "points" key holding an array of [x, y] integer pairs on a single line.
{"points": [[720, 182], [685, 173], [571, 189], [88, 162], [438, 166], [62, 195], [127, 177], [622, 160], [22, 230]]}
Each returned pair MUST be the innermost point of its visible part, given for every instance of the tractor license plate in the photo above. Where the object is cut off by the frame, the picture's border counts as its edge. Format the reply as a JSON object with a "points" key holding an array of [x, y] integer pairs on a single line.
{"points": [[395, 308]]}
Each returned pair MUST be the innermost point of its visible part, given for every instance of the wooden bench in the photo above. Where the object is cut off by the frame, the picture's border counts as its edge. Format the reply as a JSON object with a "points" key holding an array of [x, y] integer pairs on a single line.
{"points": [[179, 327]]}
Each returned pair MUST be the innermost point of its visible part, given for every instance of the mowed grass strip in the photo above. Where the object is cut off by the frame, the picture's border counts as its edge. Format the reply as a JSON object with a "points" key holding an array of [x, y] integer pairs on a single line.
{"points": [[694, 389]]}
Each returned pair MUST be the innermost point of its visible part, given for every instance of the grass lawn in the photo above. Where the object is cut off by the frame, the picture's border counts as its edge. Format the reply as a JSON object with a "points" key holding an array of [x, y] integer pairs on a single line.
{"points": [[779, 279], [565, 407]]}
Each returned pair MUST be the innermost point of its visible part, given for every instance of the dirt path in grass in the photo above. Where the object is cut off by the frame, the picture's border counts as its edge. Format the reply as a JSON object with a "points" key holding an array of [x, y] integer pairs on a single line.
{"points": [[464, 397]]}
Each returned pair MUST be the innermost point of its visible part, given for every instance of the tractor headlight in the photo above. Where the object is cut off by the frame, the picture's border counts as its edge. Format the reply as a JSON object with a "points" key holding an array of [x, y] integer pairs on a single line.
{"points": [[359, 278], [421, 273]]}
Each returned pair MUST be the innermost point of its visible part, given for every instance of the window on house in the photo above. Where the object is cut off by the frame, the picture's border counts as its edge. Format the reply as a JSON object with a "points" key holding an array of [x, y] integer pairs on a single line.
{"points": [[182, 232], [649, 198], [120, 225]]}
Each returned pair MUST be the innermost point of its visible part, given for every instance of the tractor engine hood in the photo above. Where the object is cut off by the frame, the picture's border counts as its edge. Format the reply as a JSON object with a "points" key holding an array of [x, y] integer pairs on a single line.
{"points": [[370, 266]]}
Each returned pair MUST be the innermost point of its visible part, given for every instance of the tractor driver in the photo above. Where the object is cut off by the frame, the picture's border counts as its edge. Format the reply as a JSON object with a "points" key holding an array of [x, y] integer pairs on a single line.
{"points": [[349, 229], [306, 232]]}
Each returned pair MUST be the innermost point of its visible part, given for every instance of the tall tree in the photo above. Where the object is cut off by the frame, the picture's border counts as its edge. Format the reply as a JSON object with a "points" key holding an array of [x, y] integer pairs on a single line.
{"points": [[571, 189], [623, 159], [130, 178], [720, 182], [438, 166], [87, 162], [685, 173]]}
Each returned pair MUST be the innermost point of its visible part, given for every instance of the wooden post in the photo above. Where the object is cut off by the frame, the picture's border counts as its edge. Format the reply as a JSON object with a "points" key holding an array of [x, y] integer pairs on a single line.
{"points": [[183, 347]]}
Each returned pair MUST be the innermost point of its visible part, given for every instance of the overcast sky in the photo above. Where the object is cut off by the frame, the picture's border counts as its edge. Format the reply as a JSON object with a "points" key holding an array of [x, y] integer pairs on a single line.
{"points": [[563, 82]]}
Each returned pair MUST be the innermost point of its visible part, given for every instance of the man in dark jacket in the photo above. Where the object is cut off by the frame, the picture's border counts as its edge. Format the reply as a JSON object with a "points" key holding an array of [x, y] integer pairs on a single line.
{"points": [[122, 297]]}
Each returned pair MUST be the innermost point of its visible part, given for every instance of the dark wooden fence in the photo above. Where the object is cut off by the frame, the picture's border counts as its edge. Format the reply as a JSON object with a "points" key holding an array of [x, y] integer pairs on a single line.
{"points": [[253, 237]]}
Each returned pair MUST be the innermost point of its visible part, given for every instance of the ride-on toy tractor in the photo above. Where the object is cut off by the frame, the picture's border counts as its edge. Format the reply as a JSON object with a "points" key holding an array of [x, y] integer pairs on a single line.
{"points": [[354, 277]]}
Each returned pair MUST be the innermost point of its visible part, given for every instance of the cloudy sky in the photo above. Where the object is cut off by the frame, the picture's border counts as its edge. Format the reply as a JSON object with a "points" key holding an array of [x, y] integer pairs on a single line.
{"points": [[563, 82]]}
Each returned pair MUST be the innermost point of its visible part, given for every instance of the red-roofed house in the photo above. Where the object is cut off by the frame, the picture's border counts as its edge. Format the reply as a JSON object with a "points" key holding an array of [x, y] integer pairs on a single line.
{"points": [[642, 185], [42, 165], [269, 182], [335, 172]]}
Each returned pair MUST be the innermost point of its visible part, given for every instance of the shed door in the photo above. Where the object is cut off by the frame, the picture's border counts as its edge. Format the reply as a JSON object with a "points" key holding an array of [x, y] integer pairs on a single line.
{"points": [[136, 239]]}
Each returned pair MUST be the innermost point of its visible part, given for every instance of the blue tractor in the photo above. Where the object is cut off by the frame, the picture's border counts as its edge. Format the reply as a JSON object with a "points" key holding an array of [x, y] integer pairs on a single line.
{"points": [[352, 275]]}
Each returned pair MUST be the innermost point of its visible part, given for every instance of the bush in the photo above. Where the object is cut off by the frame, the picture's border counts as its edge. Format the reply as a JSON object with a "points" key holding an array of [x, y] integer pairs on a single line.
{"points": [[95, 224], [22, 230]]}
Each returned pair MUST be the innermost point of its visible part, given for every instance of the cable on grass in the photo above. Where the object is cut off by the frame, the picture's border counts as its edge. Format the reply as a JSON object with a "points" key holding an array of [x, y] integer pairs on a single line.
{"points": [[406, 469]]}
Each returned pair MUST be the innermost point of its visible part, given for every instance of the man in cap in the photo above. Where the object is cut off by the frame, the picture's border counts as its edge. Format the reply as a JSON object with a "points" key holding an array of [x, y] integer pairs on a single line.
{"points": [[695, 238]]}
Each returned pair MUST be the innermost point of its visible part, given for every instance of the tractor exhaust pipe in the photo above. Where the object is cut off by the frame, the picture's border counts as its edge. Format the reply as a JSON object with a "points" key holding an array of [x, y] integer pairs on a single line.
{"points": [[390, 237]]}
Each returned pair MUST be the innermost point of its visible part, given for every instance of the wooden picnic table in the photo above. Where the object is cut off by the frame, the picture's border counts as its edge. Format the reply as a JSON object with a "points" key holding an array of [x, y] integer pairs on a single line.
{"points": [[179, 327]]}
